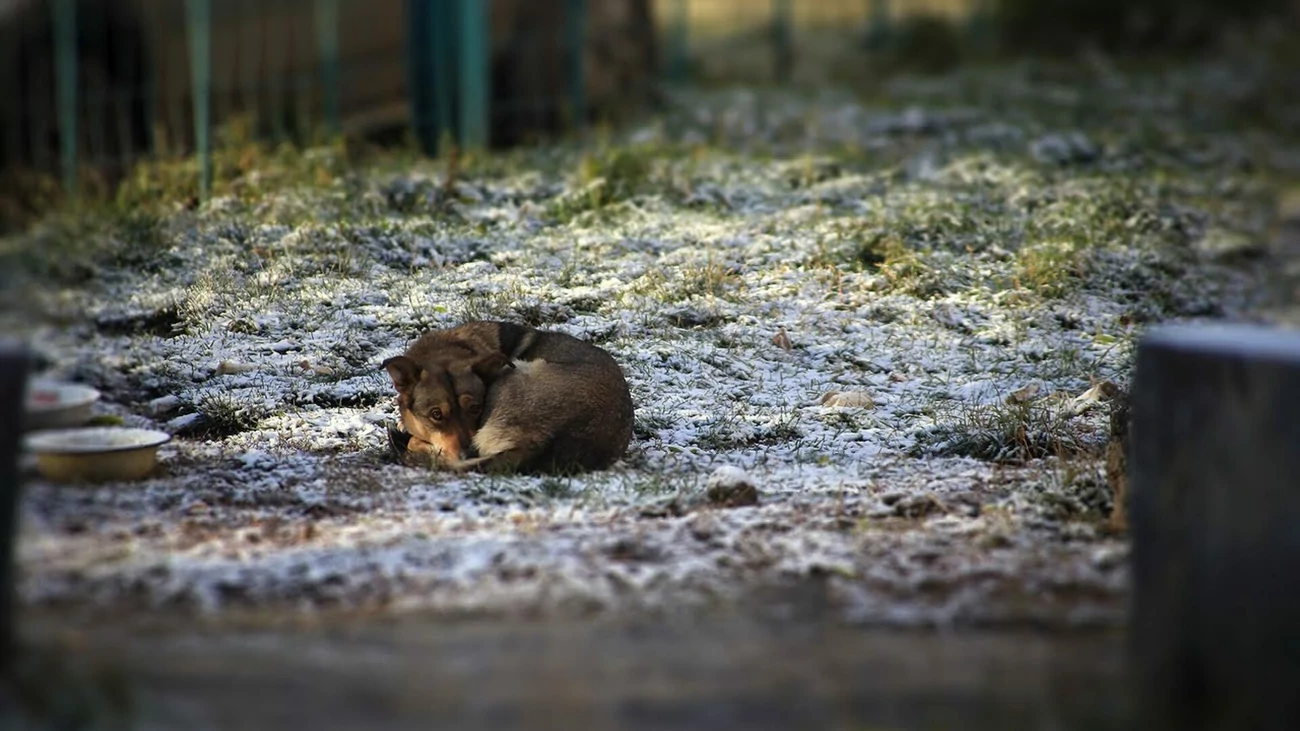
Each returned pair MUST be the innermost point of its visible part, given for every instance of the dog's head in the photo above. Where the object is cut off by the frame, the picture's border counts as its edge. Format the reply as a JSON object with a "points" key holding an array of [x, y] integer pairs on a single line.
{"points": [[441, 400]]}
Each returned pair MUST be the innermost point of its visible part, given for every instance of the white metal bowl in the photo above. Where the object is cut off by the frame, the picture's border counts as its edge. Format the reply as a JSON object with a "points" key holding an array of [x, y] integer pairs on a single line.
{"points": [[54, 405], [97, 453]]}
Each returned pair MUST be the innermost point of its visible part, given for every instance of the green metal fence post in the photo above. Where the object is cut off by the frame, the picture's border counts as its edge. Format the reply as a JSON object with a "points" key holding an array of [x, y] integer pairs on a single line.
{"points": [[473, 74], [199, 20], [782, 46], [92, 96], [419, 72], [575, 37], [327, 37], [444, 35], [65, 68], [277, 70], [877, 24], [122, 97], [979, 23], [677, 42]]}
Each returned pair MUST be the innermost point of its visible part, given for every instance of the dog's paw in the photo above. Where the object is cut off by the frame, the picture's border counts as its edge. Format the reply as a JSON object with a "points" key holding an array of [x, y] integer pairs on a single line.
{"points": [[404, 449], [398, 440], [466, 465]]}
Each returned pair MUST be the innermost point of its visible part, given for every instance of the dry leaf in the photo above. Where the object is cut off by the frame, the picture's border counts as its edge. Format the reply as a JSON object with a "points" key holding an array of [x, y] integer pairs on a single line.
{"points": [[1025, 394], [782, 340], [1100, 391]]}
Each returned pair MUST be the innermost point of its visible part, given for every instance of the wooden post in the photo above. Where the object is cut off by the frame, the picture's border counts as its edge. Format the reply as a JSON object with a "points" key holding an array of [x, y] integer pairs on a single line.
{"points": [[14, 364], [1214, 510]]}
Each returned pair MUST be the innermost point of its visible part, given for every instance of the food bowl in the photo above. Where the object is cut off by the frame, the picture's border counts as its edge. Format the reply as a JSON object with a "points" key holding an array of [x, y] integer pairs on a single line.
{"points": [[96, 454], [54, 405]]}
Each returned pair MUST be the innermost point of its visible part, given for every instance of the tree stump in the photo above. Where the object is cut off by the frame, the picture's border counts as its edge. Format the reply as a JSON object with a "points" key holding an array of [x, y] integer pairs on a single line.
{"points": [[1214, 512]]}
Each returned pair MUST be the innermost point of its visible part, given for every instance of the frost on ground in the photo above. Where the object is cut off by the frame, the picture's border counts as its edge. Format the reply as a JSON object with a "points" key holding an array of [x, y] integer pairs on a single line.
{"points": [[866, 322]]}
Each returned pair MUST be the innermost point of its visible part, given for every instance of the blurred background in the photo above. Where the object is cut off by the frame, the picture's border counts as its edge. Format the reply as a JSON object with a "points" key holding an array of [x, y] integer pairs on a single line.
{"points": [[91, 87]]}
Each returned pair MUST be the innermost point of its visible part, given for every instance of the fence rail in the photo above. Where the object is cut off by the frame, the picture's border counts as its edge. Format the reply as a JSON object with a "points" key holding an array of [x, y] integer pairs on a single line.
{"points": [[100, 84]]}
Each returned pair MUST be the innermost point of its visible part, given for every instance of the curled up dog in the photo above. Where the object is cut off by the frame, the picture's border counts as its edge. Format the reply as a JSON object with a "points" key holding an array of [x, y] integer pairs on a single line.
{"points": [[502, 397]]}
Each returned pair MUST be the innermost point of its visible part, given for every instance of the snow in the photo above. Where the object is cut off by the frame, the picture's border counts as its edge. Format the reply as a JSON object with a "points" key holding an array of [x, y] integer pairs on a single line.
{"points": [[279, 322]]}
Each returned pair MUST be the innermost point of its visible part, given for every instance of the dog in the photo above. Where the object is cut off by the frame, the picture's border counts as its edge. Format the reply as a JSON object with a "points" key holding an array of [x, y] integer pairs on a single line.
{"points": [[502, 397]]}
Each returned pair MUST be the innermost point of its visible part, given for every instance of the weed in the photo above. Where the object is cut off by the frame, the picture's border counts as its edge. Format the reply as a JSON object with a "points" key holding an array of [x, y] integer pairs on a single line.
{"points": [[224, 414], [658, 485], [708, 279], [606, 177], [1051, 268], [1075, 490], [726, 431], [696, 279], [493, 305], [649, 424], [1005, 433], [555, 488]]}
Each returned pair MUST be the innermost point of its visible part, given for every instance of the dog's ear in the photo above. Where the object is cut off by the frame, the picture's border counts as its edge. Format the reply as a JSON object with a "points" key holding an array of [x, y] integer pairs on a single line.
{"points": [[404, 372], [489, 366]]}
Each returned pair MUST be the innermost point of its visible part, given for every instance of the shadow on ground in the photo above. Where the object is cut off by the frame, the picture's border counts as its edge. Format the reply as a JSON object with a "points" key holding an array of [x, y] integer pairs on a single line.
{"points": [[683, 673]]}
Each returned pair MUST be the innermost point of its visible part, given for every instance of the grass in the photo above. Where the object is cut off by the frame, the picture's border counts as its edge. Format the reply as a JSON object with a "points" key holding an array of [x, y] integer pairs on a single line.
{"points": [[938, 210], [223, 414], [1005, 432], [912, 240]]}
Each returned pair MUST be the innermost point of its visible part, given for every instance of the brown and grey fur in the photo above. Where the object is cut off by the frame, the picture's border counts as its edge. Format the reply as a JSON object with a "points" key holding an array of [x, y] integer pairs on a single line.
{"points": [[550, 402]]}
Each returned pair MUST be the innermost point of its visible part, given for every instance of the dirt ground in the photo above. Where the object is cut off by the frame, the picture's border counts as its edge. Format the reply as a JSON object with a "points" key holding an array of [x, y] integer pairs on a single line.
{"points": [[969, 257]]}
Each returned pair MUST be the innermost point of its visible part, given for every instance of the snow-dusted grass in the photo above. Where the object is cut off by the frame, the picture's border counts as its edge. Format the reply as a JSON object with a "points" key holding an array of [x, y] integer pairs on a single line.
{"points": [[975, 239]]}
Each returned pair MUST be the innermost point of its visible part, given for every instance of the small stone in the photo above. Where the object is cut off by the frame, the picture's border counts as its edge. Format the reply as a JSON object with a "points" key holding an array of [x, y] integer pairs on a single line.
{"points": [[466, 193], [703, 528], [283, 346], [1078, 532], [198, 507], [892, 497], [1110, 557], [729, 486], [227, 367], [164, 405], [847, 400], [1064, 149], [187, 424]]}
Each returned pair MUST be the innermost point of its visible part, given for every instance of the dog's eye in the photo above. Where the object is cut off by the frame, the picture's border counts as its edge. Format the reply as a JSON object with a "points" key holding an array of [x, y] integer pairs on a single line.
{"points": [[473, 408], [435, 414]]}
